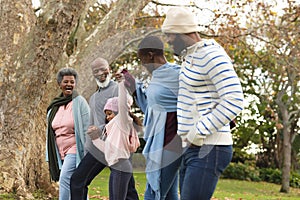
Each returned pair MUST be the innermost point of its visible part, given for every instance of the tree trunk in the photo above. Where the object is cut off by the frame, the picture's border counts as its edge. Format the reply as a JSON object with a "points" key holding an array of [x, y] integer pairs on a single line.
{"points": [[108, 40], [32, 50], [287, 150]]}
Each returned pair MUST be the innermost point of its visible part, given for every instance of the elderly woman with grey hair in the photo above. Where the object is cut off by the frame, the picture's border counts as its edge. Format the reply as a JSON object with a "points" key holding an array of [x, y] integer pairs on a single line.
{"points": [[67, 123]]}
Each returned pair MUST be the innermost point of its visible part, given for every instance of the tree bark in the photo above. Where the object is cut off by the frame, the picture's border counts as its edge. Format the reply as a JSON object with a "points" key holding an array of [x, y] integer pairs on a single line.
{"points": [[28, 62], [287, 150], [285, 100], [32, 50], [107, 40]]}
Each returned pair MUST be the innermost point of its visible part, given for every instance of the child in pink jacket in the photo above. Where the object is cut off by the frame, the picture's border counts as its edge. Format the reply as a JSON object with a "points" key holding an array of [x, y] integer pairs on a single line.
{"points": [[118, 140]]}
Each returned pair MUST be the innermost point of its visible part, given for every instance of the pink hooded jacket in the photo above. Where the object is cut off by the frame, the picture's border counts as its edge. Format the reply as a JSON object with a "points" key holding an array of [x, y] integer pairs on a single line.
{"points": [[122, 138]]}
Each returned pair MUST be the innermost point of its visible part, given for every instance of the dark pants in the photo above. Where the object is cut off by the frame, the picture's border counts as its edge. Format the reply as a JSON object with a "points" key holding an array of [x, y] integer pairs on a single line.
{"points": [[200, 170], [121, 184]]}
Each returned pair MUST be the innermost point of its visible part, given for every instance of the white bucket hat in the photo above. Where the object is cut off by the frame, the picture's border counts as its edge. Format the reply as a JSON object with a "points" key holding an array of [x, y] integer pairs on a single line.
{"points": [[179, 20]]}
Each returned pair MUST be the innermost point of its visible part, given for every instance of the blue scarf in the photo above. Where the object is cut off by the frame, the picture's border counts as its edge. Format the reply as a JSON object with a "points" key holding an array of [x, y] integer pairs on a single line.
{"points": [[161, 98]]}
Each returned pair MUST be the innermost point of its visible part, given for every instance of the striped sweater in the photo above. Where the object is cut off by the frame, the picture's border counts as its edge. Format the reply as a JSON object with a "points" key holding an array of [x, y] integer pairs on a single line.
{"points": [[210, 94]]}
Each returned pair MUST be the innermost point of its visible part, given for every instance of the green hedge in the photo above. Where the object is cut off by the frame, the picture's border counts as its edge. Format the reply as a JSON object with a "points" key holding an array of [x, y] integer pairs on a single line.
{"points": [[248, 171], [241, 171], [270, 175]]}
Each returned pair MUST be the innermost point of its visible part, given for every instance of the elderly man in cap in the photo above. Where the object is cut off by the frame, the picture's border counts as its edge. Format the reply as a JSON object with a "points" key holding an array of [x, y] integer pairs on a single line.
{"points": [[209, 97]]}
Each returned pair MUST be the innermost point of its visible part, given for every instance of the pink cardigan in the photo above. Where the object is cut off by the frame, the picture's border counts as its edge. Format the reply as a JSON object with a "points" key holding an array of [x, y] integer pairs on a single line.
{"points": [[122, 138]]}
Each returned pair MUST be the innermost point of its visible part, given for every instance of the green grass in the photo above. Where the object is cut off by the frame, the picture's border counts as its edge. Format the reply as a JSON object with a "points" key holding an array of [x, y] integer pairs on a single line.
{"points": [[227, 189]]}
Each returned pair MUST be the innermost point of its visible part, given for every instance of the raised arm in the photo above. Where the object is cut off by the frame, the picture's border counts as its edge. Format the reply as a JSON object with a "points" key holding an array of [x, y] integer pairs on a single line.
{"points": [[124, 106]]}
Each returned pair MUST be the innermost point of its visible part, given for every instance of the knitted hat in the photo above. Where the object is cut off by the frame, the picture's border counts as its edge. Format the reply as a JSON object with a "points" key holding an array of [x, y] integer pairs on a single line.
{"points": [[179, 20], [111, 104], [151, 42]]}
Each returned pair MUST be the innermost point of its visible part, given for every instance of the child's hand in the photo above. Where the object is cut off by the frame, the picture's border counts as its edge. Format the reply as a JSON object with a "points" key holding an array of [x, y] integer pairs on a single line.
{"points": [[93, 132]]}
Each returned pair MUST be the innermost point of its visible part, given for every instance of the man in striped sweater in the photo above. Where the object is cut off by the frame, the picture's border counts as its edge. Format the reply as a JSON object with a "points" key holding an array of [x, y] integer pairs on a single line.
{"points": [[209, 97]]}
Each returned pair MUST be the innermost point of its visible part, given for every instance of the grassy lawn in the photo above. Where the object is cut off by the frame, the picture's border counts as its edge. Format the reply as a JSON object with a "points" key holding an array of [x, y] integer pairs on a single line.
{"points": [[227, 189]]}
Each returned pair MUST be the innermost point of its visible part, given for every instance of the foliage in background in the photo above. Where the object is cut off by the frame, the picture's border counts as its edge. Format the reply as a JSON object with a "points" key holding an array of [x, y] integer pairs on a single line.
{"points": [[249, 172], [265, 50]]}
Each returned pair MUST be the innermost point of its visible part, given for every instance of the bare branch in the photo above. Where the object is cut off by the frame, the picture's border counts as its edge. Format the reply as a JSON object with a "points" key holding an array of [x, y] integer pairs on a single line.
{"points": [[294, 114], [149, 17], [189, 5], [128, 44]]}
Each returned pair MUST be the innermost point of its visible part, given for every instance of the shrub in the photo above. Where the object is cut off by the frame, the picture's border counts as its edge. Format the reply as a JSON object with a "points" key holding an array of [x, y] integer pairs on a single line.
{"points": [[295, 180], [241, 171], [270, 175], [248, 171]]}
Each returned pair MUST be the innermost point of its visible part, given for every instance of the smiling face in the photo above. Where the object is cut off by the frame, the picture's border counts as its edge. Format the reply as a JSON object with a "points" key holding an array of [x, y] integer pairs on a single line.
{"points": [[67, 85], [100, 69], [109, 115], [100, 73]]}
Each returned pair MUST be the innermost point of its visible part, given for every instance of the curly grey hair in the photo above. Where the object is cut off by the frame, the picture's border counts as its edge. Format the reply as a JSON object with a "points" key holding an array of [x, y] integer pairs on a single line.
{"points": [[66, 71]]}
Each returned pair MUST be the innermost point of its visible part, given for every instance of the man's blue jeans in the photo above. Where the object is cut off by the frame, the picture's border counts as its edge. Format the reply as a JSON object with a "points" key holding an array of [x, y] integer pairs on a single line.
{"points": [[89, 168], [200, 170]]}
